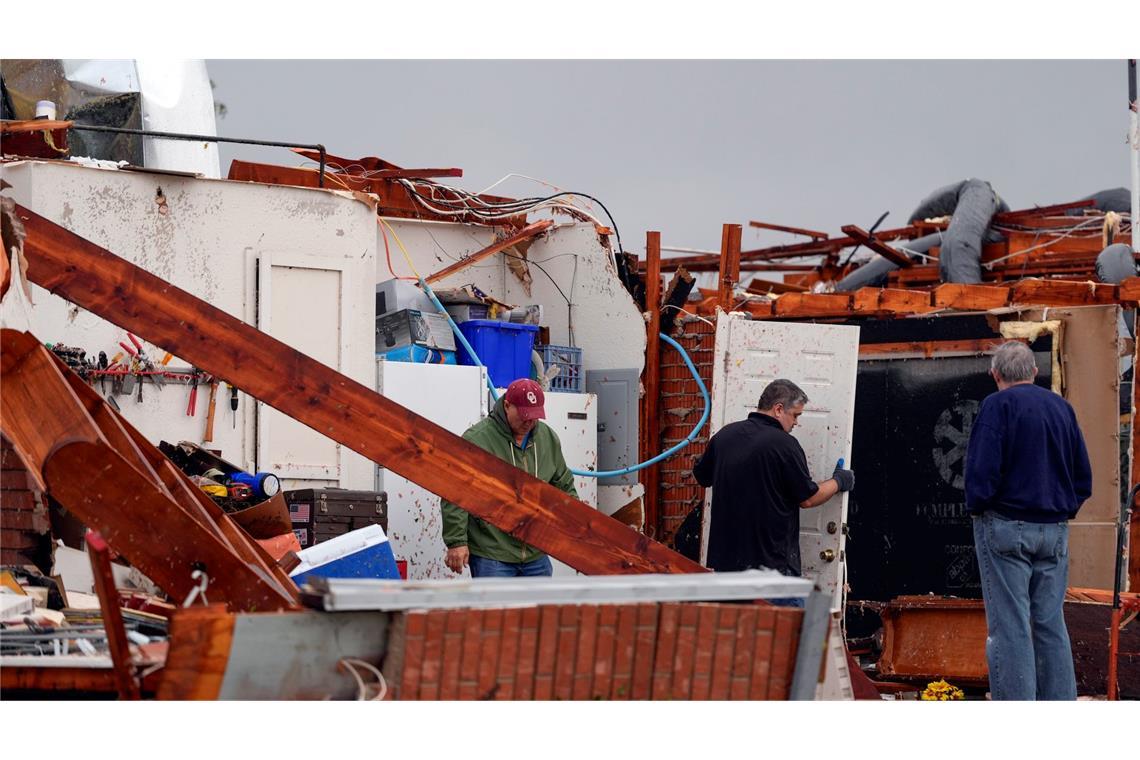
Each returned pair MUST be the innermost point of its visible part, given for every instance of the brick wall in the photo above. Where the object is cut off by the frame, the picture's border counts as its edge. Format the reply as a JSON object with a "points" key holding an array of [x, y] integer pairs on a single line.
{"points": [[620, 652], [25, 530], [679, 409]]}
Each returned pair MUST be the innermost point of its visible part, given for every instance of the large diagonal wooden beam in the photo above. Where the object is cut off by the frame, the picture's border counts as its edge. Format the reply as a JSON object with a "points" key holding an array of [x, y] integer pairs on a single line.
{"points": [[337, 407], [525, 233]]}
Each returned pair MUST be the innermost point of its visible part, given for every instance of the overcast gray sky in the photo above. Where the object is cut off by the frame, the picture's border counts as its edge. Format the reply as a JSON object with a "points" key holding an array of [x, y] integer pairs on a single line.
{"points": [[685, 146]]}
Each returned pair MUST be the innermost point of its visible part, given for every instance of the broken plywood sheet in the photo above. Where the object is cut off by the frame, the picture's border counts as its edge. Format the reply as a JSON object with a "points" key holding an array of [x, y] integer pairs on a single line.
{"points": [[1090, 364]]}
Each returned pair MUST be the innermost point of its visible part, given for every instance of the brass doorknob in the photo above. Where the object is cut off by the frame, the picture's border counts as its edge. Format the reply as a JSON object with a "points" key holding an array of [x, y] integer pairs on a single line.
{"points": [[827, 555]]}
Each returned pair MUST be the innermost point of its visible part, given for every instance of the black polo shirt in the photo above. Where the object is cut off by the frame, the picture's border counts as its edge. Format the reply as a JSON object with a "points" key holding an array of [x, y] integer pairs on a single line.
{"points": [[759, 476]]}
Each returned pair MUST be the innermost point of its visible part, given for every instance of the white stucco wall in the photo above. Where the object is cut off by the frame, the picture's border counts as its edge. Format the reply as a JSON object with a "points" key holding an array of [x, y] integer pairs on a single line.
{"points": [[205, 237]]}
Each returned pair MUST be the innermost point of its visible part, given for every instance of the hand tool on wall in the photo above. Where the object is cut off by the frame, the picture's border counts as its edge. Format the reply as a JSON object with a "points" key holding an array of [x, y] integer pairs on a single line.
{"points": [[233, 401], [209, 435], [192, 407]]}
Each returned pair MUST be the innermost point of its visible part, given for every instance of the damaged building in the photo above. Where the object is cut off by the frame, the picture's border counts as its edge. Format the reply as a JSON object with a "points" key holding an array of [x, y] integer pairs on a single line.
{"points": [[283, 321]]}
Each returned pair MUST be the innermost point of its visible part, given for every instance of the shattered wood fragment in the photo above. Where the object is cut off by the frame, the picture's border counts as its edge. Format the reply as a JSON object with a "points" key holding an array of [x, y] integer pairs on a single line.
{"points": [[525, 234], [876, 245], [676, 295], [336, 406]]}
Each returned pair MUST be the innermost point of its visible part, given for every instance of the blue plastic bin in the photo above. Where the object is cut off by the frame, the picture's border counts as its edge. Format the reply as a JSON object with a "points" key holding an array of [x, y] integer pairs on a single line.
{"points": [[503, 347]]}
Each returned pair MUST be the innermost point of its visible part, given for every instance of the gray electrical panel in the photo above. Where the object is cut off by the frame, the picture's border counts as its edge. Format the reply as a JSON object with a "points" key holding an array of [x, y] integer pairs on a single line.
{"points": [[617, 392]]}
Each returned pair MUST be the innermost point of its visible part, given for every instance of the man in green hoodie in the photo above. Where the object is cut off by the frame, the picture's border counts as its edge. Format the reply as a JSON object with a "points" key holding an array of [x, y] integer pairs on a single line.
{"points": [[513, 433]]}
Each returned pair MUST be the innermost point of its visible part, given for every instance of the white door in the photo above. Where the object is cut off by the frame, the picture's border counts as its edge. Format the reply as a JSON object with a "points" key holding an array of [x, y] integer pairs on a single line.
{"points": [[822, 360], [573, 416], [301, 302]]}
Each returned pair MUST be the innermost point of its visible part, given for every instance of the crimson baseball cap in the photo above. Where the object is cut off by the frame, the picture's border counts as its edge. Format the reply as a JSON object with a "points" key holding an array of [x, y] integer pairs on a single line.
{"points": [[527, 396]]}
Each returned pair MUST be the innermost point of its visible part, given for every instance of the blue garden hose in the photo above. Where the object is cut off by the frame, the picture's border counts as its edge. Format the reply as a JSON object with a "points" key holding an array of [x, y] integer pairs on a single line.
{"points": [[594, 473], [664, 454]]}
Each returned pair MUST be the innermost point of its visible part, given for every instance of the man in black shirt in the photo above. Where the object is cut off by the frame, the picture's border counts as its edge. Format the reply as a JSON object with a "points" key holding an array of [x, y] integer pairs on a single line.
{"points": [[760, 481]]}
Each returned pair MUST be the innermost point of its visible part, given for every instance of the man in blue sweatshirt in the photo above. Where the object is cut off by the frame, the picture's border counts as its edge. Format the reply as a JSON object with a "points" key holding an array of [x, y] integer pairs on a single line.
{"points": [[1027, 474]]}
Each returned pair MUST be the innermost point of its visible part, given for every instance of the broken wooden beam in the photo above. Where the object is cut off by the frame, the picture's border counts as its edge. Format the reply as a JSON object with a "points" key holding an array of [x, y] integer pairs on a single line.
{"points": [[117, 643], [651, 424], [729, 272], [526, 233], [860, 235], [813, 234], [336, 406]]}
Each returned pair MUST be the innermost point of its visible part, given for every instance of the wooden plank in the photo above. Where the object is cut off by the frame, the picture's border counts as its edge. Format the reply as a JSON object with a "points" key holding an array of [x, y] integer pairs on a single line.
{"points": [[860, 235], [338, 407], [526, 233], [100, 555], [200, 640], [1026, 213], [813, 234], [764, 287], [970, 297], [1062, 293], [1134, 467], [929, 348], [905, 301], [729, 271], [651, 419], [812, 304], [865, 300], [1129, 292]]}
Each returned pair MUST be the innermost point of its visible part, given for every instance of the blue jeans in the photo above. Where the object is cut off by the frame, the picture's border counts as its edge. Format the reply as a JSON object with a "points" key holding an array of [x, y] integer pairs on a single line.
{"points": [[482, 567], [1025, 569]]}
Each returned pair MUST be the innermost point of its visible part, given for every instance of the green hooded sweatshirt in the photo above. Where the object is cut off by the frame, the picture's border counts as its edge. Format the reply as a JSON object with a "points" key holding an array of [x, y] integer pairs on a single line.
{"points": [[541, 456]]}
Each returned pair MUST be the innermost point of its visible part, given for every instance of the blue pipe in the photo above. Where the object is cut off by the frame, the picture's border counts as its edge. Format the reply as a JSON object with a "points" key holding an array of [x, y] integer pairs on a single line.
{"points": [[594, 473], [459, 334]]}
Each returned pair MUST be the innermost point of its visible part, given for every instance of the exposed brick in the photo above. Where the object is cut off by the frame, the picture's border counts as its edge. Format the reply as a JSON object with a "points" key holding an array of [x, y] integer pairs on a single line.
{"points": [[686, 651], [762, 651], [547, 652], [14, 500], [788, 621], [670, 616], [17, 539], [584, 659], [491, 644], [624, 644], [14, 480], [742, 660], [28, 521], [452, 653], [645, 650], [10, 556], [508, 653], [528, 653], [725, 650], [567, 651], [604, 652], [415, 625], [432, 670], [469, 669], [706, 642]]}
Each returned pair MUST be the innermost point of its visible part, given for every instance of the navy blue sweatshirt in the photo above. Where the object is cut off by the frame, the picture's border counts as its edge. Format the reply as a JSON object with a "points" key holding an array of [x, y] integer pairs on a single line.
{"points": [[1026, 458]]}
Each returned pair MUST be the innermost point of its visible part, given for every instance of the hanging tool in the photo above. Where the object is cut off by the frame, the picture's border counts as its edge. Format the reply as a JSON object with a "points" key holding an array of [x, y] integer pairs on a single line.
{"points": [[209, 435], [192, 407], [233, 401]]}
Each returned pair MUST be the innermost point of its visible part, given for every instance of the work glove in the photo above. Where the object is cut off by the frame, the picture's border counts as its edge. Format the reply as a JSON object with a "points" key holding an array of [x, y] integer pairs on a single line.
{"points": [[845, 478]]}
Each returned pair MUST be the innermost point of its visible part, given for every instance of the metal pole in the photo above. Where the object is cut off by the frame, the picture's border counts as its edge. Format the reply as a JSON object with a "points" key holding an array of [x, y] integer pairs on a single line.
{"points": [[210, 138], [1134, 141]]}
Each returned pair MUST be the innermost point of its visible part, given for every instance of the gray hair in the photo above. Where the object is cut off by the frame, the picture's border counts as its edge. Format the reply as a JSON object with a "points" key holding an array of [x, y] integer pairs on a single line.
{"points": [[782, 392], [1013, 362]]}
